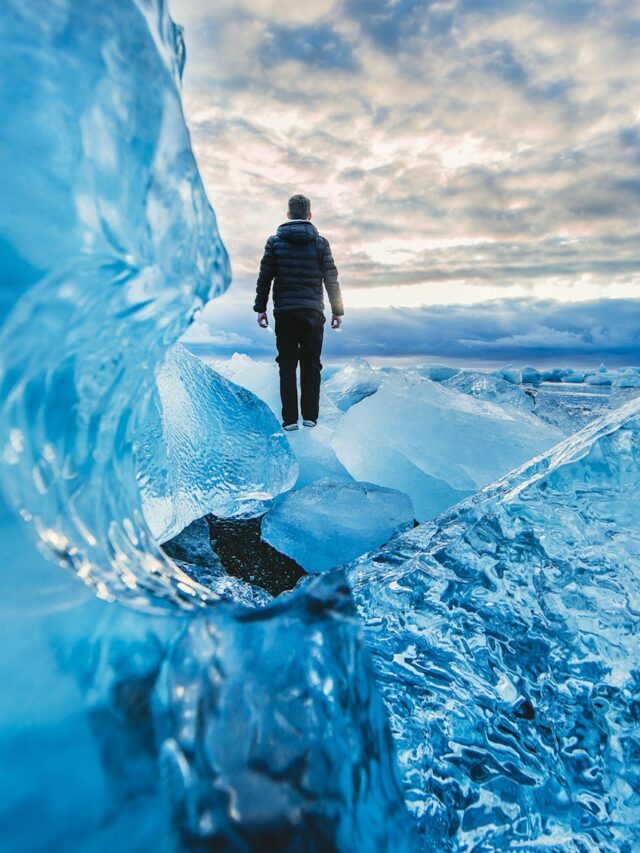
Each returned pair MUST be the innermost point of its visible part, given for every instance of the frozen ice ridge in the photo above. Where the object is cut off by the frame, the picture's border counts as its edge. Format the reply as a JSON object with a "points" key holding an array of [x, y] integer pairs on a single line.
{"points": [[208, 446], [505, 638]]}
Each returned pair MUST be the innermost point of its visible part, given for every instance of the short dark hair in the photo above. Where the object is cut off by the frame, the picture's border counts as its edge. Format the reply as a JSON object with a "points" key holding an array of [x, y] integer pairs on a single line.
{"points": [[299, 207]]}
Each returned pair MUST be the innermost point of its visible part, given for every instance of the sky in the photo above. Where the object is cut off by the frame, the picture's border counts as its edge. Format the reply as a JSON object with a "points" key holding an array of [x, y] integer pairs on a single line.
{"points": [[475, 165]]}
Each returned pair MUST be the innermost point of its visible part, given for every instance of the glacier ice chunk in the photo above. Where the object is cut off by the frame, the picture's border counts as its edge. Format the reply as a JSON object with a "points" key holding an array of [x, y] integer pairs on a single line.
{"points": [[209, 446], [434, 371], [352, 383], [272, 733], [531, 374], [627, 378], [108, 247], [505, 637], [330, 522], [575, 377], [510, 374], [486, 386], [437, 445], [555, 374], [598, 379]]}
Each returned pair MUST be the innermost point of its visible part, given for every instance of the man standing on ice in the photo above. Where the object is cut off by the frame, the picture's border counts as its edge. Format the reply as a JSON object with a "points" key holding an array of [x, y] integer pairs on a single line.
{"points": [[298, 260]]}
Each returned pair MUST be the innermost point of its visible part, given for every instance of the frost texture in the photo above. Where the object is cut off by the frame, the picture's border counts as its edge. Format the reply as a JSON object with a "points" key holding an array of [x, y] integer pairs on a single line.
{"points": [[435, 444], [505, 637], [208, 446], [329, 522]]}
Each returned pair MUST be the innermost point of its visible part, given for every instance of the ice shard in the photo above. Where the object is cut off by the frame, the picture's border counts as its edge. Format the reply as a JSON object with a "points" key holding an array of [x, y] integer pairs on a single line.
{"points": [[109, 247], [208, 446], [353, 383], [312, 448]]}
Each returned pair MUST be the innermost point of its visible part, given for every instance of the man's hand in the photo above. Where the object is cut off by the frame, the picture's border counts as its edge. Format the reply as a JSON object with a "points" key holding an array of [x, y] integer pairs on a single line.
{"points": [[336, 321], [262, 320]]}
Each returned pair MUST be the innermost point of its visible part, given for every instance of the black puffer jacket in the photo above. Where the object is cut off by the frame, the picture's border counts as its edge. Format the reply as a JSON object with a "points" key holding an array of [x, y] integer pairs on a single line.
{"points": [[297, 259]]}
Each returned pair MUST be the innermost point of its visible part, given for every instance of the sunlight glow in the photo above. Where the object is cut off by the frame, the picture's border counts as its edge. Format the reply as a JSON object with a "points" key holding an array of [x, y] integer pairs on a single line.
{"points": [[469, 293], [398, 250]]}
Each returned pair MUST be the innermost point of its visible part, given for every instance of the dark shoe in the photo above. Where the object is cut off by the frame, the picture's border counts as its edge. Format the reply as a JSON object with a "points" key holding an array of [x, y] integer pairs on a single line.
{"points": [[290, 427], [309, 423]]}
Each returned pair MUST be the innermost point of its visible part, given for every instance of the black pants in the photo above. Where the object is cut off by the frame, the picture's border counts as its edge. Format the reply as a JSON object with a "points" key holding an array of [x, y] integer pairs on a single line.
{"points": [[299, 339]]}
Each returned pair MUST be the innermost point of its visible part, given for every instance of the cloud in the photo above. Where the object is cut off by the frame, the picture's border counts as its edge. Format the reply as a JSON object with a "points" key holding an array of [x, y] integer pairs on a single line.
{"points": [[495, 331], [312, 45], [201, 333]]}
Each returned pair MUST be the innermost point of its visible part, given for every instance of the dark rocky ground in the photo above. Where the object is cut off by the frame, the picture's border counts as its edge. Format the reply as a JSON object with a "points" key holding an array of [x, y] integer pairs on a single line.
{"points": [[212, 544]]}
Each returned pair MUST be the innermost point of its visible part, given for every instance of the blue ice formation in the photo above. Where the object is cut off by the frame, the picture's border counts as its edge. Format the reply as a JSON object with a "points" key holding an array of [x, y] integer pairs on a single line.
{"points": [[510, 374], [284, 745], [436, 372], [531, 374], [505, 639], [486, 386], [421, 438], [312, 448], [556, 374], [208, 445], [331, 522], [355, 381], [629, 377], [77, 763], [109, 247]]}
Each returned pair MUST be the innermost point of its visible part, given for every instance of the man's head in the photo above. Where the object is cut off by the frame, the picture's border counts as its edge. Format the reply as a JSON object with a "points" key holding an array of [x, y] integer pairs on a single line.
{"points": [[299, 207]]}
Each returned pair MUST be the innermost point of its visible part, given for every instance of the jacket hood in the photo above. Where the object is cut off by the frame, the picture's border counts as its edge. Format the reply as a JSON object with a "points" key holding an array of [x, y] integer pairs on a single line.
{"points": [[297, 231]]}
